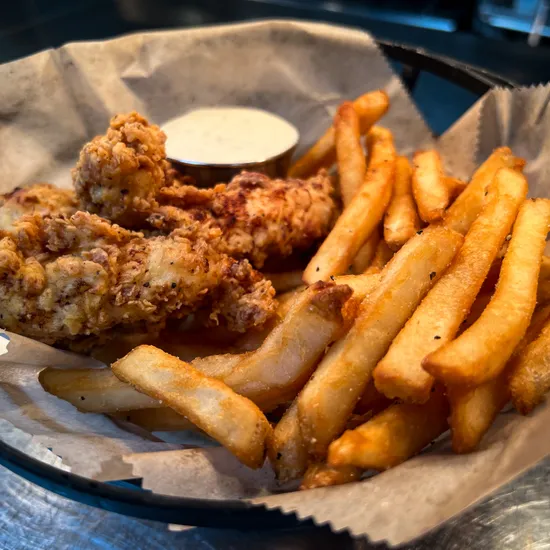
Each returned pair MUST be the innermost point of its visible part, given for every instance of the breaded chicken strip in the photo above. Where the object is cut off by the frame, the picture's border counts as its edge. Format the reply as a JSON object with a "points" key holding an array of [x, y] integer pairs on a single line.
{"points": [[124, 177], [39, 198], [119, 174], [65, 278], [251, 217]]}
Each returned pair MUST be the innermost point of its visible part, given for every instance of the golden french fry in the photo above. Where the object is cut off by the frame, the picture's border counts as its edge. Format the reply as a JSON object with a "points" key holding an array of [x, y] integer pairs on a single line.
{"points": [[352, 164], [276, 372], [393, 436], [480, 353], [468, 205], [285, 447], [480, 303], [100, 391], [361, 217], [93, 390], [430, 191], [439, 316], [329, 397], [455, 186], [370, 107], [401, 221], [543, 289], [473, 411], [366, 253], [382, 256], [229, 418], [322, 475], [156, 420], [362, 285], [530, 371], [285, 281], [372, 401]]}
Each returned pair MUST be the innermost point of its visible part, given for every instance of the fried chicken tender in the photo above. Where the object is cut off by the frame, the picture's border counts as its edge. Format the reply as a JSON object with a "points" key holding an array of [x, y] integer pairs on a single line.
{"points": [[119, 174], [39, 198], [65, 278], [251, 217], [124, 176]]}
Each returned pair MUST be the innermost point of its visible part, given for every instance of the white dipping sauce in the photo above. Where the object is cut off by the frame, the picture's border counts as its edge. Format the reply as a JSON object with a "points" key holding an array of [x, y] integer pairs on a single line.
{"points": [[228, 135]]}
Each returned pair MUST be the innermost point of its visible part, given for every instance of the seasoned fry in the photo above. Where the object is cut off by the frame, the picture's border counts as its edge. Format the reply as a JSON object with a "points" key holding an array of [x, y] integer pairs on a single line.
{"points": [[372, 401], [285, 447], [366, 253], [438, 318], [322, 475], [329, 397], [362, 285], [530, 372], [480, 353], [401, 221], [276, 372], [100, 391], [229, 418], [94, 390], [393, 436], [156, 420], [431, 193], [352, 164], [382, 256], [468, 205], [473, 411], [361, 217], [543, 289], [455, 186], [370, 107], [285, 281]]}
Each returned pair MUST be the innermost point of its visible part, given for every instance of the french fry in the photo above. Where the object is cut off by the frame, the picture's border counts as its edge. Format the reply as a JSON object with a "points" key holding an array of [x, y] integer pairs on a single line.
{"points": [[530, 372], [322, 475], [466, 208], [285, 281], [480, 353], [366, 253], [100, 391], [393, 436], [94, 390], [276, 372], [229, 418], [473, 411], [361, 217], [439, 316], [156, 420], [543, 289], [329, 397], [362, 285], [372, 401], [370, 107], [455, 186], [431, 193], [285, 447], [382, 256], [401, 221], [352, 164]]}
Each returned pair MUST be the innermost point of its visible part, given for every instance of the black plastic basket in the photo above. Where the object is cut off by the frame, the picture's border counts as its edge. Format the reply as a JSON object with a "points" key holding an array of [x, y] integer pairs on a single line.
{"points": [[121, 497]]}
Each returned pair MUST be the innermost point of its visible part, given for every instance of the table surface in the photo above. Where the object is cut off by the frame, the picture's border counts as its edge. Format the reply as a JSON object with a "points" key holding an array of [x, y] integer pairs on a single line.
{"points": [[516, 517]]}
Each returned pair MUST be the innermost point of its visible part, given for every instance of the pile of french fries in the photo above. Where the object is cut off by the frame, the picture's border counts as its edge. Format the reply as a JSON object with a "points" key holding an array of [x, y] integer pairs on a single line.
{"points": [[426, 308]]}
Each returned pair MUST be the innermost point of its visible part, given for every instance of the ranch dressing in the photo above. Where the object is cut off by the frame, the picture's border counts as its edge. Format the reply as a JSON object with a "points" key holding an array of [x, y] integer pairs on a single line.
{"points": [[228, 135]]}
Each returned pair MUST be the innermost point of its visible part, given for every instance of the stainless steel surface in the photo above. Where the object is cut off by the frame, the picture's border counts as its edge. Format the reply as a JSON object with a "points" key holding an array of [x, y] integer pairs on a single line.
{"points": [[207, 175], [517, 517]]}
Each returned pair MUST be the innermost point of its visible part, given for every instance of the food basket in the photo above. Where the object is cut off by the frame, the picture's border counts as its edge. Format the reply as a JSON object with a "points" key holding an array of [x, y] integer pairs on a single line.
{"points": [[127, 497]]}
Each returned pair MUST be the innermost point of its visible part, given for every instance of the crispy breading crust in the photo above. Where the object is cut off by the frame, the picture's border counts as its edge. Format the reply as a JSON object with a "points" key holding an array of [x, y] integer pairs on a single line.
{"points": [[64, 278], [119, 174]]}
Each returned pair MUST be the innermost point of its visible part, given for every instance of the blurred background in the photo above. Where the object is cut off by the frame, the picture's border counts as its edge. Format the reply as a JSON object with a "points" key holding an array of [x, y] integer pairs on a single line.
{"points": [[508, 37]]}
